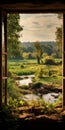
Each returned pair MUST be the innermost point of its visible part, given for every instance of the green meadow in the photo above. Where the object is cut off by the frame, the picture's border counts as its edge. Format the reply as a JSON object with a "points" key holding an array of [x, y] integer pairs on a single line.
{"points": [[49, 74]]}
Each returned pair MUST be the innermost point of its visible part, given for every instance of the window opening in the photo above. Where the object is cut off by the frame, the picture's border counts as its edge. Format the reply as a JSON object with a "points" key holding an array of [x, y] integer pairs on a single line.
{"points": [[34, 59]]}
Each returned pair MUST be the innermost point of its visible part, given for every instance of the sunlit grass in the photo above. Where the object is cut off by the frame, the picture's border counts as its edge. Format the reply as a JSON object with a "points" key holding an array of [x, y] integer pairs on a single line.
{"points": [[27, 67], [57, 81]]}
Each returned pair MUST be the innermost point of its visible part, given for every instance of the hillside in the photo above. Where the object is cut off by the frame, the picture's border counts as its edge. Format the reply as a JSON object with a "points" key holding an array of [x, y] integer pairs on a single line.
{"points": [[30, 44]]}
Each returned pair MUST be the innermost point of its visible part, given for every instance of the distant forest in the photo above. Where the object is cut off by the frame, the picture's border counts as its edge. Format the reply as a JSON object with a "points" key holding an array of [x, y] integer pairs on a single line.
{"points": [[48, 47], [27, 50]]}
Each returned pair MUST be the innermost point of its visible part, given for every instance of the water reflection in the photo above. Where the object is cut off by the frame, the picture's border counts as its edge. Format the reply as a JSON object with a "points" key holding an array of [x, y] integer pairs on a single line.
{"points": [[49, 97], [26, 80]]}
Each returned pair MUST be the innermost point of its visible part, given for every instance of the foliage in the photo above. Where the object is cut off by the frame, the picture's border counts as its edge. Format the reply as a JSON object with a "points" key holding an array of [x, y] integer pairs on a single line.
{"points": [[38, 51], [44, 107], [49, 60], [59, 38], [53, 55], [22, 66], [39, 73], [59, 101], [31, 67], [49, 49], [37, 85], [13, 90], [13, 30], [15, 103], [25, 55]]}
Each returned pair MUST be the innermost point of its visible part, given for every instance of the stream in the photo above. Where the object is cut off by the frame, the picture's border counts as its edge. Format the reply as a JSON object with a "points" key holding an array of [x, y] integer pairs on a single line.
{"points": [[49, 97], [26, 80]]}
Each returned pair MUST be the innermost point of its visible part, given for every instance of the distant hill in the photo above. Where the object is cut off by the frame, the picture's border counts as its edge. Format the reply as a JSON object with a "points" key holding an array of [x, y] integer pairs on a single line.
{"points": [[30, 44]]}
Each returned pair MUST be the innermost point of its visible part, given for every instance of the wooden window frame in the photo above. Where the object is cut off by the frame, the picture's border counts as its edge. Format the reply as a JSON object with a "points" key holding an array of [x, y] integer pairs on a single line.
{"points": [[27, 8]]}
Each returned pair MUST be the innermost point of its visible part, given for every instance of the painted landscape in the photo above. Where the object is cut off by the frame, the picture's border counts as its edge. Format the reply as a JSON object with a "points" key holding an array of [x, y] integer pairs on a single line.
{"points": [[34, 61], [38, 72]]}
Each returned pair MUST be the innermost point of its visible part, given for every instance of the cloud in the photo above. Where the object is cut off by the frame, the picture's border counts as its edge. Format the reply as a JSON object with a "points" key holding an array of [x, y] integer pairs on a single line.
{"points": [[36, 23], [39, 26]]}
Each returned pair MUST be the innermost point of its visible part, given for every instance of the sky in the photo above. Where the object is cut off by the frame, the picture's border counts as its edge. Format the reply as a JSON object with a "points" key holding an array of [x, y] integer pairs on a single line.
{"points": [[39, 27]]}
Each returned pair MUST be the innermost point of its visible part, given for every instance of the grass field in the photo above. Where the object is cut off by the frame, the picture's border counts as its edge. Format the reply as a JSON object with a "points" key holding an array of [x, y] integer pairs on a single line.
{"points": [[27, 67]]}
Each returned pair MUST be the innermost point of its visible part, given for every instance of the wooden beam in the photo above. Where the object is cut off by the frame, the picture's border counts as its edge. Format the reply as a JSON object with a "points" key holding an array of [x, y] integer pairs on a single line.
{"points": [[5, 42], [0, 58], [27, 7], [63, 89]]}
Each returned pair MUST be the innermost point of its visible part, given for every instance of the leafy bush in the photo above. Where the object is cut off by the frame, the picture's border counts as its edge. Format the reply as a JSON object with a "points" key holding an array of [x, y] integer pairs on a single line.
{"points": [[53, 73], [13, 103], [13, 90], [49, 60], [37, 85], [22, 66], [39, 73]]}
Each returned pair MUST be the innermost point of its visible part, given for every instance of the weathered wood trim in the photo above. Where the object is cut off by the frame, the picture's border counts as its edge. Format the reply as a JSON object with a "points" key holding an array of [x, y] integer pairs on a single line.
{"points": [[63, 86], [4, 77], [0, 58], [4, 53], [56, 6], [5, 42]]}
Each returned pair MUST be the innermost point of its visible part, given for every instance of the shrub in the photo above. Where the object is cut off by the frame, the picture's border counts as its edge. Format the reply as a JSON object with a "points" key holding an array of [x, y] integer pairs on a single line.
{"points": [[39, 73], [13, 90], [52, 73], [49, 60], [22, 66], [37, 85], [15, 103]]}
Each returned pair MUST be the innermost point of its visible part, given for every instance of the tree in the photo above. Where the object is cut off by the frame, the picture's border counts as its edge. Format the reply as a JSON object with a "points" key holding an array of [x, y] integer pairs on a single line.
{"points": [[38, 51], [13, 30], [48, 49], [25, 55], [59, 38]]}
